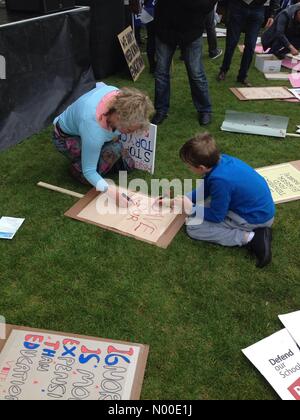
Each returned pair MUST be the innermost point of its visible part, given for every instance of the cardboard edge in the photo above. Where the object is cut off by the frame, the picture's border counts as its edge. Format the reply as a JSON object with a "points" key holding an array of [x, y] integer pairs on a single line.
{"points": [[163, 242], [141, 362], [238, 94]]}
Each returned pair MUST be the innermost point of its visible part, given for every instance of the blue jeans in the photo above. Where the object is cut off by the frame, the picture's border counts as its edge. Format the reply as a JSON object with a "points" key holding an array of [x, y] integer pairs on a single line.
{"points": [[192, 55], [242, 19]]}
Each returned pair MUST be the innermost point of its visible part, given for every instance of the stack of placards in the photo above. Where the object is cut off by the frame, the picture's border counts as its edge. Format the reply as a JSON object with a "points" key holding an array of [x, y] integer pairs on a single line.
{"points": [[251, 123], [43, 365], [278, 357]]}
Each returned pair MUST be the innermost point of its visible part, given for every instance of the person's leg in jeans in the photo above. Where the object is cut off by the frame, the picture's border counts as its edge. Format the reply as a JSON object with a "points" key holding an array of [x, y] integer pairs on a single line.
{"points": [[151, 46], [211, 34], [192, 55], [254, 23], [164, 55], [236, 21]]}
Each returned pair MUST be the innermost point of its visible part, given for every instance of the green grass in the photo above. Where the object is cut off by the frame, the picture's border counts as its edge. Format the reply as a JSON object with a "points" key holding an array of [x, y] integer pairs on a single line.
{"points": [[197, 305]]}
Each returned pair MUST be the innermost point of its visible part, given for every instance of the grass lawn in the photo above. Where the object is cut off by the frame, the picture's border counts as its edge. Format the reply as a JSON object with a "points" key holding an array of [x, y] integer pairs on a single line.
{"points": [[197, 305]]}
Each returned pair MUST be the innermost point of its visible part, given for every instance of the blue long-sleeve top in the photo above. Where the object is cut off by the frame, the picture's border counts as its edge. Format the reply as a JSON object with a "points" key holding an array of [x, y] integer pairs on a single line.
{"points": [[79, 119], [234, 186]]}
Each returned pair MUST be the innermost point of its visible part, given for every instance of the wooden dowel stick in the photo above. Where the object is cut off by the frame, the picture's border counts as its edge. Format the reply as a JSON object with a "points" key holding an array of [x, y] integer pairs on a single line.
{"points": [[60, 190], [292, 135]]}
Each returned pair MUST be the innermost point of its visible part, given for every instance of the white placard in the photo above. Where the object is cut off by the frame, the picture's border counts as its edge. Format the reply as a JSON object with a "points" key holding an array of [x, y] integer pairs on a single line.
{"points": [[292, 324], [278, 360], [9, 227], [142, 148]]}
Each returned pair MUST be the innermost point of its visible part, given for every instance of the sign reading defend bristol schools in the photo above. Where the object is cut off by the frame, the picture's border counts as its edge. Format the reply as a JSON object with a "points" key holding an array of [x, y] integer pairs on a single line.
{"points": [[278, 360]]}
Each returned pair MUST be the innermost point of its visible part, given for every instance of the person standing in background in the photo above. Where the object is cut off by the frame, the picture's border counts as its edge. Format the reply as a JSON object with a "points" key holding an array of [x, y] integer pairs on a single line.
{"points": [[245, 16], [210, 25]]}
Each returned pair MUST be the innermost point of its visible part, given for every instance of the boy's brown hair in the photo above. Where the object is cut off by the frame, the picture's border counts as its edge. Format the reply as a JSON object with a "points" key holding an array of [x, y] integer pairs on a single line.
{"points": [[200, 150]]}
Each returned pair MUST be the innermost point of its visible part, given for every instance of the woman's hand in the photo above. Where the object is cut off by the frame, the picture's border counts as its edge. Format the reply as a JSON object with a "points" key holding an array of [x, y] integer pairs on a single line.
{"points": [[120, 198]]}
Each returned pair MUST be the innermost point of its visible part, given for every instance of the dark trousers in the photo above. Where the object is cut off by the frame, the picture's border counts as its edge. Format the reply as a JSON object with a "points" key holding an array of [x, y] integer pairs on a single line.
{"points": [[242, 19], [211, 33], [150, 27]]}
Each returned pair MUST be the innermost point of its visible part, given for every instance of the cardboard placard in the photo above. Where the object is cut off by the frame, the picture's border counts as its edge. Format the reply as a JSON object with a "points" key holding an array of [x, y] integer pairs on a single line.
{"points": [[142, 148], [291, 322], [283, 180], [259, 124], [132, 53], [45, 365], [157, 228], [277, 76], [261, 93]]}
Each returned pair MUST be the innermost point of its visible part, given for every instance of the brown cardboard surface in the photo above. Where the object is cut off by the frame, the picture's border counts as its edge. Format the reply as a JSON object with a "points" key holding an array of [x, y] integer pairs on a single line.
{"points": [[142, 360], [163, 242]]}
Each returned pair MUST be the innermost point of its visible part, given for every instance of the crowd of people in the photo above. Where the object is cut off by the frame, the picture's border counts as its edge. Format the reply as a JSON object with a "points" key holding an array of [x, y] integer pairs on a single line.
{"points": [[241, 209]]}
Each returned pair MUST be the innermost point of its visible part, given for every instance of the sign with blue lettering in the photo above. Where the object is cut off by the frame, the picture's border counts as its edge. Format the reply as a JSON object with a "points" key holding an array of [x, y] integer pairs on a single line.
{"points": [[41, 365]]}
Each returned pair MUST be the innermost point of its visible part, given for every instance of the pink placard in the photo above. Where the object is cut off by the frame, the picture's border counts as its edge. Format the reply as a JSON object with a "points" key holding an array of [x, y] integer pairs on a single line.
{"points": [[289, 64], [294, 78]]}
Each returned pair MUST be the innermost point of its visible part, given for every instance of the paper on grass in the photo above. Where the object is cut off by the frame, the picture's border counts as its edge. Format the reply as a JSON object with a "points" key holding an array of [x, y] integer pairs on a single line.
{"points": [[251, 123], [294, 78], [278, 359], [295, 92], [277, 76], [9, 227], [291, 322]]}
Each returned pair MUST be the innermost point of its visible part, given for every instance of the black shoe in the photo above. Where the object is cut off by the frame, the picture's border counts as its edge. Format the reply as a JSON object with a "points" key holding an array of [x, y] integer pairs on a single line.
{"points": [[204, 118], [261, 246], [158, 118], [221, 76], [244, 82]]}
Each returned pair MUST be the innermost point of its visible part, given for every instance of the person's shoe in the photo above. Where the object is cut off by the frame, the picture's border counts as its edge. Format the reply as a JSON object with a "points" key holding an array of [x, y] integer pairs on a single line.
{"points": [[216, 54], [244, 82], [204, 118], [159, 118], [221, 76], [261, 246]]}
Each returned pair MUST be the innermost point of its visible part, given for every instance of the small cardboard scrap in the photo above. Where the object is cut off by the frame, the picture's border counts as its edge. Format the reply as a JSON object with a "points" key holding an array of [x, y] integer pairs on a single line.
{"points": [[278, 360], [9, 227], [60, 366], [259, 124], [261, 93], [142, 220], [283, 181], [132, 53]]}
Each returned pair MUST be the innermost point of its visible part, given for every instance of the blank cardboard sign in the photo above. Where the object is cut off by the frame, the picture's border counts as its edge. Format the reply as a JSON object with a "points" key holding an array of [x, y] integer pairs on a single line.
{"points": [[142, 220], [283, 180]]}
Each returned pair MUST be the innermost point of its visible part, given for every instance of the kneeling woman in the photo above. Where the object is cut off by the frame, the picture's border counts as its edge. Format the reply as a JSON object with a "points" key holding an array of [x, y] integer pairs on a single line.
{"points": [[84, 133]]}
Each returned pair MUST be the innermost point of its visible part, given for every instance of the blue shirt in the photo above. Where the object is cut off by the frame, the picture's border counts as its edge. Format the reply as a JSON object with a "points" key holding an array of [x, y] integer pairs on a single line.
{"points": [[234, 186], [79, 119]]}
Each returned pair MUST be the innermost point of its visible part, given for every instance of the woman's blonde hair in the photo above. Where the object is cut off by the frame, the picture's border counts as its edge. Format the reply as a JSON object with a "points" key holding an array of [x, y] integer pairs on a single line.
{"points": [[133, 107]]}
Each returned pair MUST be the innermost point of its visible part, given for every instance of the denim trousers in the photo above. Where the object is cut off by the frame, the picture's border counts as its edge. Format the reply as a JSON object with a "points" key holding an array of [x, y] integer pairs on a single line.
{"points": [[242, 19], [192, 55]]}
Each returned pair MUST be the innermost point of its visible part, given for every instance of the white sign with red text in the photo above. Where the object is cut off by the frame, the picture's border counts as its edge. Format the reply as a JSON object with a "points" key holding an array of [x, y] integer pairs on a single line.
{"points": [[278, 360]]}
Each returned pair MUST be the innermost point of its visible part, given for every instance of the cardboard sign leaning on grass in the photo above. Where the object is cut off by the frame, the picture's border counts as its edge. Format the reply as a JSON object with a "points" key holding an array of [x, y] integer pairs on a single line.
{"points": [[283, 181], [132, 53], [262, 93], [45, 365]]}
